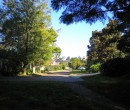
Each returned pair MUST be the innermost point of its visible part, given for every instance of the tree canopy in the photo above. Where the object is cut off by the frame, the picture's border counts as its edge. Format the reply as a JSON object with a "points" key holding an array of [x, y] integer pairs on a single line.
{"points": [[91, 10], [103, 44], [26, 31]]}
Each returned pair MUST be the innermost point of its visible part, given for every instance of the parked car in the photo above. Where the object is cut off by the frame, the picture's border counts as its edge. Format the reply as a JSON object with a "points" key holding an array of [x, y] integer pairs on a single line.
{"points": [[81, 68]]}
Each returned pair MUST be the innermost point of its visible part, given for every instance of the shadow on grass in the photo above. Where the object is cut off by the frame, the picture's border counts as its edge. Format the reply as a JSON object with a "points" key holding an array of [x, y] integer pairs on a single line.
{"points": [[116, 89], [43, 96]]}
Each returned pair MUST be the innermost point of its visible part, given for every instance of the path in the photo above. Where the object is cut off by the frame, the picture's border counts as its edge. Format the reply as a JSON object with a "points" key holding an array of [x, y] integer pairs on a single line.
{"points": [[87, 93], [71, 82], [42, 78], [62, 76]]}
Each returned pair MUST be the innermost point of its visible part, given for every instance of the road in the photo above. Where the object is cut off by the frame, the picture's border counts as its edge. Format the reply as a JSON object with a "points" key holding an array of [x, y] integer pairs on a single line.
{"points": [[62, 76]]}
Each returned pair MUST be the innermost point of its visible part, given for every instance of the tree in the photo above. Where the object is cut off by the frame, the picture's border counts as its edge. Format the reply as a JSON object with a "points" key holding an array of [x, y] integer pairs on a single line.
{"points": [[56, 52], [68, 58], [91, 10], [63, 65], [103, 44], [75, 63], [26, 30]]}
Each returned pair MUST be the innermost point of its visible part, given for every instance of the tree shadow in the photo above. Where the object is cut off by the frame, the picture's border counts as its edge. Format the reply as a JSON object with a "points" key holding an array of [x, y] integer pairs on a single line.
{"points": [[36, 75]]}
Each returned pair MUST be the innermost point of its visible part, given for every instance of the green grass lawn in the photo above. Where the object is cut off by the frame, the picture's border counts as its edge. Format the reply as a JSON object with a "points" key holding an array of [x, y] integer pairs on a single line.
{"points": [[78, 71], [43, 96], [116, 89]]}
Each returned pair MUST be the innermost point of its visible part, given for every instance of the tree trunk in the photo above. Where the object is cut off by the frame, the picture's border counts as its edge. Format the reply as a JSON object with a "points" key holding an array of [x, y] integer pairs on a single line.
{"points": [[23, 69], [34, 69]]}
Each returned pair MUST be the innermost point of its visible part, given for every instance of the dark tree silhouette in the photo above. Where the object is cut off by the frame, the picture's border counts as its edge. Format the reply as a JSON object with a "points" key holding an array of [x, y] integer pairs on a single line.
{"points": [[91, 10]]}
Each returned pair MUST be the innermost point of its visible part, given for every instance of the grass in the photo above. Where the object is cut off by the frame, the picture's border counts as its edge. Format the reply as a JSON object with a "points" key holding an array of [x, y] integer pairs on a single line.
{"points": [[43, 96], [78, 71], [116, 89]]}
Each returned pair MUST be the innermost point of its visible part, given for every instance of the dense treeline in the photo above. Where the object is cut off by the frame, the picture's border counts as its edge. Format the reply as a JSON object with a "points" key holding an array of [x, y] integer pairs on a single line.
{"points": [[91, 11], [107, 49], [103, 44], [27, 37]]}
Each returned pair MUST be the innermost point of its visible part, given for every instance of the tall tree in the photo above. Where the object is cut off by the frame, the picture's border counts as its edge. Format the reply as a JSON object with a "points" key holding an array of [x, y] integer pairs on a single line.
{"points": [[103, 44], [26, 29]]}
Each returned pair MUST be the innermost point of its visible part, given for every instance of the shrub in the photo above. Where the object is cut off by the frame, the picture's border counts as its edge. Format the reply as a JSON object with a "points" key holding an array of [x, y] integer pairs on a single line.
{"points": [[95, 67], [42, 71], [54, 67], [115, 67], [28, 71], [37, 70], [63, 65]]}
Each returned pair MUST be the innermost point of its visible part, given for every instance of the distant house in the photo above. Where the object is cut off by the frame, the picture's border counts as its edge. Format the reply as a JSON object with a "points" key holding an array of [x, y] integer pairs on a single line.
{"points": [[58, 61]]}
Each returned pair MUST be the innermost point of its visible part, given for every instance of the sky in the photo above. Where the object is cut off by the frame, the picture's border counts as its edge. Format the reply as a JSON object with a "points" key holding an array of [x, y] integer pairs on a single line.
{"points": [[74, 38]]}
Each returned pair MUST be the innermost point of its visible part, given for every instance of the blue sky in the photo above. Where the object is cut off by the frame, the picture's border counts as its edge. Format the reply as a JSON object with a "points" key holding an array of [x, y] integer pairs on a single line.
{"points": [[74, 38]]}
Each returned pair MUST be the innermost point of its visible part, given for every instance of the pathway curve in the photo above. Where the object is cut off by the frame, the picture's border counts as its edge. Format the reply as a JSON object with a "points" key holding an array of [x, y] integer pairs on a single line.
{"points": [[43, 78], [70, 81], [62, 76], [89, 94]]}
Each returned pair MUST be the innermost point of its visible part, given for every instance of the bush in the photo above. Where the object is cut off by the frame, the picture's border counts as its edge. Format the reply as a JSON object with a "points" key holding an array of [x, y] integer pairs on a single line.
{"points": [[37, 70], [28, 71], [42, 71], [54, 67], [95, 67], [116, 67], [63, 65]]}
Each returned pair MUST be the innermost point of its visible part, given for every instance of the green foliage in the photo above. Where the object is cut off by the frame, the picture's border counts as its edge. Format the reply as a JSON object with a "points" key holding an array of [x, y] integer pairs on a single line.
{"points": [[54, 67], [75, 63], [56, 52], [116, 67], [95, 67], [124, 44], [37, 69], [91, 11], [63, 65], [27, 31], [78, 72], [9, 62], [28, 71], [42, 71], [103, 44]]}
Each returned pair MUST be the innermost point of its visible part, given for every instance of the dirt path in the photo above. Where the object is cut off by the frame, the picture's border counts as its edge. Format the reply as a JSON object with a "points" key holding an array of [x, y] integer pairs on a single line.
{"points": [[62, 76], [42, 78], [94, 96], [71, 81]]}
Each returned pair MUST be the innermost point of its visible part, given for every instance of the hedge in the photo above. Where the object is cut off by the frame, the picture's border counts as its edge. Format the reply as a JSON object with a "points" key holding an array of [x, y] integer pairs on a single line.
{"points": [[116, 67]]}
